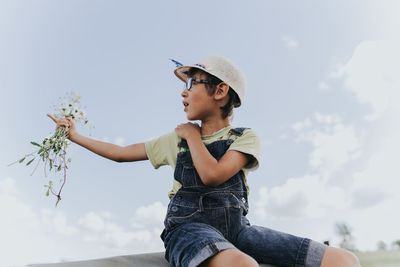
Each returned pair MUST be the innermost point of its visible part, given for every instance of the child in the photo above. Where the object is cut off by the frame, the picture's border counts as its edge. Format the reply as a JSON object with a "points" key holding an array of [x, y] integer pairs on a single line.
{"points": [[206, 220]]}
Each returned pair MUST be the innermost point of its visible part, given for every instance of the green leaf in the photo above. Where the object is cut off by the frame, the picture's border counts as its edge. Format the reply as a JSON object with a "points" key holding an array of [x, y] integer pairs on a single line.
{"points": [[29, 162], [21, 160], [51, 164], [35, 144], [48, 193]]}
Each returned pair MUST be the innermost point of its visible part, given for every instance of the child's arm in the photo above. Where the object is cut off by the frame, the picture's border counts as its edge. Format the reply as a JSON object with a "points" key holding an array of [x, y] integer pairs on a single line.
{"points": [[117, 153], [211, 171]]}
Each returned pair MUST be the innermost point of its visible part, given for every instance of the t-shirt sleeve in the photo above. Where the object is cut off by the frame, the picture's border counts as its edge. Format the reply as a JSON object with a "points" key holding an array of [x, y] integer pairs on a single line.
{"points": [[248, 143], [163, 150]]}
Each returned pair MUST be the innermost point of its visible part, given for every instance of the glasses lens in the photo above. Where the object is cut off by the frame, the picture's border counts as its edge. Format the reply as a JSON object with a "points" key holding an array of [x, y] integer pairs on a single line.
{"points": [[189, 83]]}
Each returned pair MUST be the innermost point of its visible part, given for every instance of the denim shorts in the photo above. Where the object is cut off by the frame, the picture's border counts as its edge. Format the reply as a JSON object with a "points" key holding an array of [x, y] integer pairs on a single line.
{"points": [[191, 244], [202, 221]]}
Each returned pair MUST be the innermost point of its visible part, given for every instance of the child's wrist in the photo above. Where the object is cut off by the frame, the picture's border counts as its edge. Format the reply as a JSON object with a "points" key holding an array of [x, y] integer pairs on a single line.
{"points": [[194, 138], [73, 136]]}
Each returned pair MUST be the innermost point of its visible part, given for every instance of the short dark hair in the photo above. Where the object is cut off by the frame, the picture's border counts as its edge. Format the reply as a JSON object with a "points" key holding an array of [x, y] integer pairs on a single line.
{"points": [[233, 100]]}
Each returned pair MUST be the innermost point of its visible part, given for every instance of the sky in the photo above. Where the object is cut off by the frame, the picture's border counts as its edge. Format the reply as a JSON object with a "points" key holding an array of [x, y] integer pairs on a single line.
{"points": [[322, 93]]}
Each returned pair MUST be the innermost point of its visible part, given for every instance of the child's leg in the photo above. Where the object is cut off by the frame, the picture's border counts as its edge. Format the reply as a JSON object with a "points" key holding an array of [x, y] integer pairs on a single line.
{"points": [[281, 249], [191, 244], [335, 257], [277, 248], [232, 258]]}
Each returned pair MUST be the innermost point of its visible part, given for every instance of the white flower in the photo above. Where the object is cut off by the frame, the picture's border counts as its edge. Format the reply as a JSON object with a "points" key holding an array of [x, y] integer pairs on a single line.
{"points": [[76, 97], [47, 143], [69, 107]]}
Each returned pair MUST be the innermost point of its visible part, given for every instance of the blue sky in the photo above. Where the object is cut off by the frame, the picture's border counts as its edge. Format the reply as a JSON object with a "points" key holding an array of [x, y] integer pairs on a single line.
{"points": [[322, 92]]}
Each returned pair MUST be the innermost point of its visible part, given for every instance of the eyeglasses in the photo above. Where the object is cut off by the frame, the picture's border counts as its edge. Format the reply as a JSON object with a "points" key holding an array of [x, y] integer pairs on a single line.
{"points": [[192, 81]]}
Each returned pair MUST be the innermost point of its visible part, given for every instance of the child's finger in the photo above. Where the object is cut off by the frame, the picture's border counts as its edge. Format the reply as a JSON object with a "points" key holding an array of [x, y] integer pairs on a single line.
{"points": [[51, 117], [70, 122]]}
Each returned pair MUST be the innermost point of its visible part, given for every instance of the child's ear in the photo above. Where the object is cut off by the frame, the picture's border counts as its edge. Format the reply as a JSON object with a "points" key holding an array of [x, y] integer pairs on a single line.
{"points": [[221, 91]]}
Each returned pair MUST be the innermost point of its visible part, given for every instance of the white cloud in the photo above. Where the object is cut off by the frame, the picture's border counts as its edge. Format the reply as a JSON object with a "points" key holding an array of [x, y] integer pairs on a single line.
{"points": [[304, 124], [22, 239], [304, 197], [323, 86], [379, 221], [152, 213], [56, 222], [99, 228], [8, 187], [372, 74], [367, 197], [371, 192], [334, 143], [104, 139], [29, 236], [93, 222], [379, 180], [289, 42], [370, 195], [119, 141], [385, 15]]}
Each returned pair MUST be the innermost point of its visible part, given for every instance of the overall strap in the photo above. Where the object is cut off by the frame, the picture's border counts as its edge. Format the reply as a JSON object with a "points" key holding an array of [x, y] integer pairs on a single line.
{"points": [[183, 144], [238, 131]]}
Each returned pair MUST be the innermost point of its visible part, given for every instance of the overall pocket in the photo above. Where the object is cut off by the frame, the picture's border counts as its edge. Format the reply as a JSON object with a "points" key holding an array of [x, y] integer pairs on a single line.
{"points": [[190, 177], [177, 215], [240, 202]]}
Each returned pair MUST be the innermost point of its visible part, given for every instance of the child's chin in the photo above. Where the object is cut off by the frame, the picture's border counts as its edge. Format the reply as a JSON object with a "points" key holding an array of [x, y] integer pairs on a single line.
{"points": [[190, 118]]}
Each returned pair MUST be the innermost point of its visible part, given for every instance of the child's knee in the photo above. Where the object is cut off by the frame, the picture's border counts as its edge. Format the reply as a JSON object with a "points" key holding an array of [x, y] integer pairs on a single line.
{"points": [[351, 259], [242, 260], [232, 258], [339, 257]]}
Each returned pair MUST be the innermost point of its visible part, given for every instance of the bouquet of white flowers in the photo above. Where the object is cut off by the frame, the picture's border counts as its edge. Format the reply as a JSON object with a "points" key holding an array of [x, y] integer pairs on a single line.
{"points": [[53, 149]]}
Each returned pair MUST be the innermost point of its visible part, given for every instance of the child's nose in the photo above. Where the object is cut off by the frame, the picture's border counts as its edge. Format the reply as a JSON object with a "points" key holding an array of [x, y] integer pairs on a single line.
{"points": [[184, 92]]}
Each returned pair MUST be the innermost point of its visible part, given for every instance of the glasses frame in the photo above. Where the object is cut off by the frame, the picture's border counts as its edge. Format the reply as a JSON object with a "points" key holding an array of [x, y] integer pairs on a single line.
{"points": [[189, 82]]}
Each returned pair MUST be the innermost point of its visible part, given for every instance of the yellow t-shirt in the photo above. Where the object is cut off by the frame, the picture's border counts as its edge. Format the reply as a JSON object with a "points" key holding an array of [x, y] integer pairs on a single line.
{"points": [[164, 149]]}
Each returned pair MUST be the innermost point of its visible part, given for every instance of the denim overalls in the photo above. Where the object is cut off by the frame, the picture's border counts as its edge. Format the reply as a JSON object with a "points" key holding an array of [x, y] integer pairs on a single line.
{"points": [[203, 220]]}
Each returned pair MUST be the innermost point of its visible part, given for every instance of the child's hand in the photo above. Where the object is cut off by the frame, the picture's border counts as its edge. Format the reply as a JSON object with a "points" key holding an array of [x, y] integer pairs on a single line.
{"points": [[67, 122], [186, 130]]}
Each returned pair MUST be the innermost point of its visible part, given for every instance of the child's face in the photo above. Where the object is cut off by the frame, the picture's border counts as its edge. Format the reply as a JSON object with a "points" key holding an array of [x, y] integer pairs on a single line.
{"points": [[198, 104]]}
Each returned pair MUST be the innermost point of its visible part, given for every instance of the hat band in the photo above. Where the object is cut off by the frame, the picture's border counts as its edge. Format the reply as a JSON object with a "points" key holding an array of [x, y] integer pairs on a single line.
{"points": [[200, 65]]}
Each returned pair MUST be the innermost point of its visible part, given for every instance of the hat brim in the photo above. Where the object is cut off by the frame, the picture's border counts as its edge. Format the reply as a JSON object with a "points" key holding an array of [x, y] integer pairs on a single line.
{"points": [[180, 72]]}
